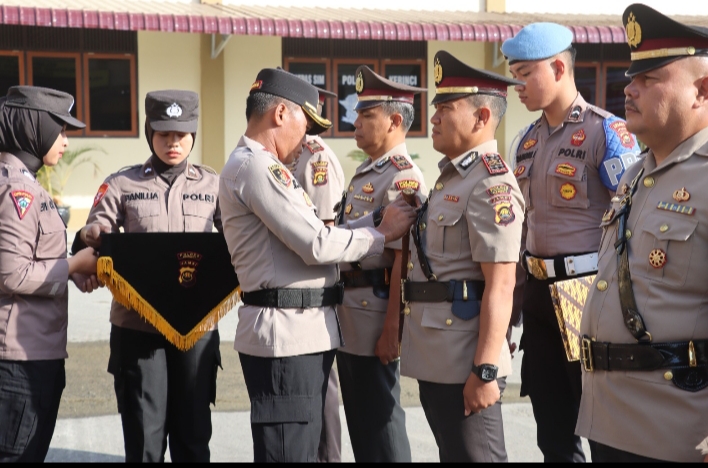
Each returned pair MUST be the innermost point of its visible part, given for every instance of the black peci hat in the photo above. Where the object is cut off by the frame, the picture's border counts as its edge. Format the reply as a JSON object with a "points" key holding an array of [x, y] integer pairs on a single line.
{"points": [[373, 89], [172, 110], [56, 103], [288, 86]]}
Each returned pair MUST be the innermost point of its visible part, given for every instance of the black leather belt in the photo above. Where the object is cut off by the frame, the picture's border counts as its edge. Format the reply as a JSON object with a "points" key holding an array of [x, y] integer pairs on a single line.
{"points": [[365, 278], [442, 291], [642, 356], [560, 267], [290, 298]]}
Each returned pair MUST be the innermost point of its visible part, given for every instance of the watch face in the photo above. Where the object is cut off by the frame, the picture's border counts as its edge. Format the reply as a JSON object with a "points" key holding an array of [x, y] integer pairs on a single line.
{"points": [[488, 374]]}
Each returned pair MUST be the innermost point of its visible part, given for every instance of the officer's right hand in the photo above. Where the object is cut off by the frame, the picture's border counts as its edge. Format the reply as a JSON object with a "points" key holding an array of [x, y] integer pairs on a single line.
{"points": [[86, 283], [397, 219], [83, 262], [91, 234]]}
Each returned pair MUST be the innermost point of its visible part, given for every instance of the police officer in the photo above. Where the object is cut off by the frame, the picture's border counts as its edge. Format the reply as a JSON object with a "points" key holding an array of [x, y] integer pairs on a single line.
{"points": [[568, 165], [459, 292], [285, 259], [319, 172], [34, 271], [161, 391], [368, 361], [645, 340]]}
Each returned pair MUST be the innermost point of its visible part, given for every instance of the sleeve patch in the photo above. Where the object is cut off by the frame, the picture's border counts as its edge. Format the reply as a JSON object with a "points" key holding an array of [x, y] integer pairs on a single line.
{"points": [[401, 162], [626, 138], [407, 184], [23, 201], [280, 174], [621, 151], [99, 195], [314, 146], [319, 173], [504, 213], [495, 164]]}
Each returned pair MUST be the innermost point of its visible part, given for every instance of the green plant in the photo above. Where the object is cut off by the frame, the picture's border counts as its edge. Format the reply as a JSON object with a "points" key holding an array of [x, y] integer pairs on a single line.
{"points": [[54, 178]]}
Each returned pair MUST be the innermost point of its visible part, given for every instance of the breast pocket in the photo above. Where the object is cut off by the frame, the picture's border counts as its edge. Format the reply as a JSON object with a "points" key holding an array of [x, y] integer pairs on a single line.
{"points": [[442, 319], [523, 177], [446, 230], [665, 248], [52, 237], [568, 184], [142, 216], [198, 216]]}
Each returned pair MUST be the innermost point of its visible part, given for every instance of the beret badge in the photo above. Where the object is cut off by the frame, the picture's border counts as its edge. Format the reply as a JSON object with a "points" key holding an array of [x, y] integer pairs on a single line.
{"points": [[174, 111], [634, 31], [438, 71], [359, 83]]}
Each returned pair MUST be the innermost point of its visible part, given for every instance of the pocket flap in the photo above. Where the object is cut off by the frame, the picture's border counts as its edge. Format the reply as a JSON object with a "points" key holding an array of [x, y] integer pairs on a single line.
{"points": [[442, 319], [673, 227], [567, 169], [197, 209], [446, 217]]}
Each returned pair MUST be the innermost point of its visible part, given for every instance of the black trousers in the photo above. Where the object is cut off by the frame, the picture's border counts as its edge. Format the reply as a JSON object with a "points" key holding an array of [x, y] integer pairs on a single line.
{"points": [[30, 392], [476, 438], [287, 402], [602, 453], [371, 393], [553, 384], [162, 391], [330, 449]]}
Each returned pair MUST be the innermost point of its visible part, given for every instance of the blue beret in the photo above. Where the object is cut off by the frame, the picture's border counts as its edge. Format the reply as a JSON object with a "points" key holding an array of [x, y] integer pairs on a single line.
{"points": [[537, 41]]}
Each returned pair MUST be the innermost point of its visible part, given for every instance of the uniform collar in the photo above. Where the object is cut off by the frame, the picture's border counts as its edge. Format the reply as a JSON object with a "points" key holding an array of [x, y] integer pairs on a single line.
{"points": [[697, 144], [576, 113], [257, 147], [381, 163], [12, 160], [467, 160]]}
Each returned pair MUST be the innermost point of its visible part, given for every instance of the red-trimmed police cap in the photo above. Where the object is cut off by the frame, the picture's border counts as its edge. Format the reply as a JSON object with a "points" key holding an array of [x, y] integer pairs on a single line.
{"points": [[655, 39], [373, 89], [455, 79], [324, 94]]}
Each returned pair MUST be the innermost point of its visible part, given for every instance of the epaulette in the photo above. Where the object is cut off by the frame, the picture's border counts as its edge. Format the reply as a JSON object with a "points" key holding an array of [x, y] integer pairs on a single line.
{"points": [[123, 169], [601, 112], [314, 146], [206, 168], [494, 163], [401, 162]]}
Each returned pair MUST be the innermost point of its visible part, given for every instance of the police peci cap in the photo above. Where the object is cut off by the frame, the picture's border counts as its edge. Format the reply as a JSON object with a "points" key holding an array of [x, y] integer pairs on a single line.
{"points": [[373, 89], [288, 86], [455, 79], [655, 39], [172, 110], [537, 41], [324, 94], [56, 103]]}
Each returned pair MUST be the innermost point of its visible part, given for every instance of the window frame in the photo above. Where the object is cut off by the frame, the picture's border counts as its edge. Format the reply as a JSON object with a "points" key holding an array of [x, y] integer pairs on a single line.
{"points": [[423, 132], [133, 96], [328, 79], [603, 75], [598, 75], [21, 61], [335, 73]]}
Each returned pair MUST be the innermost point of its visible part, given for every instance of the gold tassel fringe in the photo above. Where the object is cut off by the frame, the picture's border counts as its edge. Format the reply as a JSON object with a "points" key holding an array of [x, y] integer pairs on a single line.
{"points": [[128, 297]]}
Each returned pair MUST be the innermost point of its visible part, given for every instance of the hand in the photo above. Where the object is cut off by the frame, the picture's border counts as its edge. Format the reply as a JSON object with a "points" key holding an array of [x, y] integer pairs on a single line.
{"points": [[479, 395], [91, 234], [86, 283], [83, 262], [398, 217], [387, 349], [512, 346]]}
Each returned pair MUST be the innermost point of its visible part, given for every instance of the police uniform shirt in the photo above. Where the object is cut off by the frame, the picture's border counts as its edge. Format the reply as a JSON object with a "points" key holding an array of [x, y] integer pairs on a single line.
{"points": [[474, 216], [375, 183], [276, 240], [136, 199], [33, 268], [319, 172], [643, 412], [568, 175]]}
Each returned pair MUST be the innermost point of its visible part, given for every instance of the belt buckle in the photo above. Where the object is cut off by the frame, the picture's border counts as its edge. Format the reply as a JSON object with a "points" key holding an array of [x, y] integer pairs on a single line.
{"points": [[586, 354], [537, 267]]}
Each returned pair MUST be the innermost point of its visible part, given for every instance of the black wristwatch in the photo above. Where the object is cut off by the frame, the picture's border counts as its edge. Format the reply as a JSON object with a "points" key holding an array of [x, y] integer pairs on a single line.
{"points": [[485, 372], [378, 215]]}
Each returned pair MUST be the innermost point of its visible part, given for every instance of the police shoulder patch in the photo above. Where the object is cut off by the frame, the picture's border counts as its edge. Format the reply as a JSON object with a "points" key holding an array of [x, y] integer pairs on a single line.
{"points": [[280, 174], [408, 184], [319, 172], [99, 195], [495, 164], [23, 201], [401, 162], [504, 213], [126, 168], [206, 168], [314, 146]]}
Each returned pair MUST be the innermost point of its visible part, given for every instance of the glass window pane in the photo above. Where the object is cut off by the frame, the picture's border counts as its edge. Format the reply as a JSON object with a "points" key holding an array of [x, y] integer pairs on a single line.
{"points": [[9, 72], [56, 73], [614, 96], [109, 94], [313, 73], [586, 81], [346, 90], [411, 75]]}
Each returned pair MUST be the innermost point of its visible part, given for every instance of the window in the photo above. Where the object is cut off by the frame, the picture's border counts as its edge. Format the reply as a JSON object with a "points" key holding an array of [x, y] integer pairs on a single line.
{"points": [[316, 72], [110, 94], [345, 115], [587, 80], [614, 84], [57, 71], [411, 73], [11, 70]]}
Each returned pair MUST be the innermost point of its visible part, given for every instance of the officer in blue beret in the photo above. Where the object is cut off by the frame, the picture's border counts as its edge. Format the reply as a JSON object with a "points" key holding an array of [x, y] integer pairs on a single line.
{"points": [[568, 165]]}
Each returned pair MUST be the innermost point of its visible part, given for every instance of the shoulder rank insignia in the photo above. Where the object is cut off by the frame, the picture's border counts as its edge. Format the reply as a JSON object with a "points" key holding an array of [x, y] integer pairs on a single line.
{"points": [[401, 162], [676, 208], [504, 213], [319, 172], [467, 162], [408, 184], [383, 161], [99, 195], [368, 188], [27, 174], [23, 201], [314, 146], [279, 173], [495, 164]]}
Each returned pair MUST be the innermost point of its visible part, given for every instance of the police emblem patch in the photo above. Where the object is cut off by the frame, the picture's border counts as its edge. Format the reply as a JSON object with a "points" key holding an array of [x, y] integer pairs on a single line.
{"points": [[319, 173], [174, 111], [401, 162], [359, 83], [528, 144], [99, 195], [633, 30], [314, 146], [368, 188], [568, 191], [280, 174], [438, 71], [566, 169], [188, 262], [519, 170], [626, 138], [578, 138], [504, 213], [23, 201], [257, 85], [495, 164], [452, 198], [407, 184]]}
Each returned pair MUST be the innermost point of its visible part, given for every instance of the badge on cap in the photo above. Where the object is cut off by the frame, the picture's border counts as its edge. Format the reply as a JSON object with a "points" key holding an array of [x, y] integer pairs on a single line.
{"points": [[174, 111], [634, 31], [23, 201], [359, 83], [438, 71]]}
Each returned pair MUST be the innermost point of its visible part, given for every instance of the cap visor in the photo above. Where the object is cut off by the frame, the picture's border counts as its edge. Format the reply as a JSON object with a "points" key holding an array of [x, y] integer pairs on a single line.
{"points": [[642, 66], [448, 97], [367, 104], [70, 121], [319, 123], [174, 126]]}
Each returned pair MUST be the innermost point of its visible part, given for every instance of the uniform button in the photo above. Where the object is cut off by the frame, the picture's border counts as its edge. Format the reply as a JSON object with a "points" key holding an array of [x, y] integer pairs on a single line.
{"points": [[356, 215], [441, 217], [448, 322], [649, 181], [364, 303], [602, 285], [668, 375], [351, 188], [439, 186], [664, 228], [410, 265], [422, 226], [366, 213], [628, 234], [406, 310]]}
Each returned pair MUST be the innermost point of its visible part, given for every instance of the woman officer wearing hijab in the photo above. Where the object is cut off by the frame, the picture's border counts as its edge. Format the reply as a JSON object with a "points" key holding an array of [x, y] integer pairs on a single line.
{"points": [[34, 271], [161, 390]]}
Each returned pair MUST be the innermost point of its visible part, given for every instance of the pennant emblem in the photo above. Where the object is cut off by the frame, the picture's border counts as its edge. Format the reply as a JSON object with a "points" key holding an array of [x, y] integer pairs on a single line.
{"points": [[23, 201], [99, 195], [188, 263]]}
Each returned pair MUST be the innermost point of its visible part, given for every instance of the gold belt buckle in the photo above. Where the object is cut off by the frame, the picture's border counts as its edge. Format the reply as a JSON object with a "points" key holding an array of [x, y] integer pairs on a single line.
{"points": [[586, 354], [537, 267]]}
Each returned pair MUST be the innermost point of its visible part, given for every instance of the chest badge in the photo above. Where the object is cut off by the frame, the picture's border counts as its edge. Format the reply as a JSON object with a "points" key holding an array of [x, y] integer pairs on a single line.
{"points": [[280, 174], [348, 209], [23, 201], [566, 169], [452, 198], [657, 258], [682, 195], [368, 188], [578, 138], [568, 191], [519, 170], [528, 144]]}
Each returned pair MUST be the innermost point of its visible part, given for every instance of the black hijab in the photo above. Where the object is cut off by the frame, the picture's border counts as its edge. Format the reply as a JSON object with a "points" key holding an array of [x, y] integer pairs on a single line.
{"points": [[168, 172], [28, 134]]}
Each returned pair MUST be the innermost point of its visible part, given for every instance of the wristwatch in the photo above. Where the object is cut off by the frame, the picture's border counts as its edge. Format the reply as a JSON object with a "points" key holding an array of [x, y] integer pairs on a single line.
{"points": [[378, 216], [485, 372]]}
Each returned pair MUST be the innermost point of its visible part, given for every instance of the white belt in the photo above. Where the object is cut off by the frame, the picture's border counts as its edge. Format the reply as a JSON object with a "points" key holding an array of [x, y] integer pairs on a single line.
{"points": [[574, 265]]}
